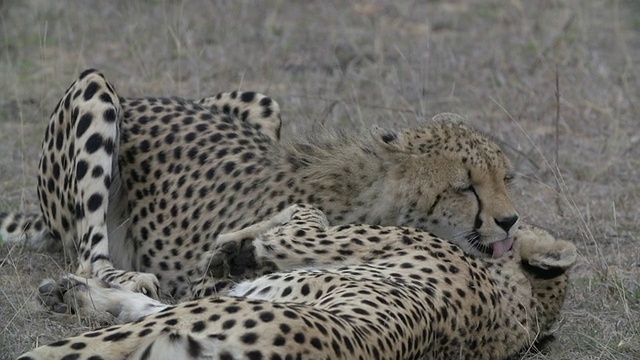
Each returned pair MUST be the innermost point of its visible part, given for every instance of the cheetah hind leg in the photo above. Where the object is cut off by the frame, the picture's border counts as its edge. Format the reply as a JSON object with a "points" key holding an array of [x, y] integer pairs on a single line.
{"points": [[82, 141], [95, 299]]}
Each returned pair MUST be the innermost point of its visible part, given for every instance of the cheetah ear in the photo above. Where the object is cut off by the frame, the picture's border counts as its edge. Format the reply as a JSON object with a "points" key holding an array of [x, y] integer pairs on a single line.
{"points": [[543, 255], [450, 118], [403, 141], [389, 140]]}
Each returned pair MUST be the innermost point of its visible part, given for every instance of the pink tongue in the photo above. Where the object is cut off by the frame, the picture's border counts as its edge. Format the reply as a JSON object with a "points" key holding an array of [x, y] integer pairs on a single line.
{"points": [[501, 247]]}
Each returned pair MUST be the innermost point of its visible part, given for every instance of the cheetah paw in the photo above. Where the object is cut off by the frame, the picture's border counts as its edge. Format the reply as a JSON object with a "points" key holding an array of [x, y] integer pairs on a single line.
{"points": [[144, 283], [229, 259], [95, 299], [72, 295], [234, 253], [285, 215]]}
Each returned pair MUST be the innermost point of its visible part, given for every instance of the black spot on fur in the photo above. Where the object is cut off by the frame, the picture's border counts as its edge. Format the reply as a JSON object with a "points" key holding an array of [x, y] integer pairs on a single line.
{"points": [[71, 356], [59, 343], [249, 338], [91, 90], [198, 326], [83, 124], [248, 96], [94, 143], [117, 336], [95, 201], [194, 348], [87, 72], [389, 137]]}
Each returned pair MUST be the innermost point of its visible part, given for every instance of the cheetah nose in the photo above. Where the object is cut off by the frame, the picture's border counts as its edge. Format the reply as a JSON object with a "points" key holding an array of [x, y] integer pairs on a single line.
{"points": [[507, 222]]}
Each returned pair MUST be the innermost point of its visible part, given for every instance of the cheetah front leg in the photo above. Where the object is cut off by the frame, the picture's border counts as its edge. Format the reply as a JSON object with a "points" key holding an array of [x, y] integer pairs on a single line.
{"points": [[307, 241], [76, 175], [233, 253], [255, 247]]}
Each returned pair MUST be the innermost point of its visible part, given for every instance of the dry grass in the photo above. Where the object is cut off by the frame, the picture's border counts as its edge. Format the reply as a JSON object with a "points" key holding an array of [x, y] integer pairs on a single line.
{"points": [[352, 64]]}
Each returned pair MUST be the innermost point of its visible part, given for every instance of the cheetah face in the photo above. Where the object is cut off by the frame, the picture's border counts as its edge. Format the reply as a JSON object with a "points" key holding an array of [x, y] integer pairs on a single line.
{"points": [[477, 214], [453, 181]]}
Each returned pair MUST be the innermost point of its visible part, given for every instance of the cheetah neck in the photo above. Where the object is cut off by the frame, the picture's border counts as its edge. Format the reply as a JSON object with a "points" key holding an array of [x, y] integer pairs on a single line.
{"points": [[345, 178]]}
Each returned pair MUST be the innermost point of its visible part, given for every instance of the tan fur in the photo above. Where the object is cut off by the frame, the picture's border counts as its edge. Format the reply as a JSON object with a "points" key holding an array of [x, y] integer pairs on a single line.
{"points": [[183, 172], [346, 292]]}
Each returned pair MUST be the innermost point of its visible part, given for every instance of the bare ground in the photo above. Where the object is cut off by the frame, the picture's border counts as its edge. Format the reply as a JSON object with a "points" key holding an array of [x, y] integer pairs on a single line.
{"points": [[350, 65]]}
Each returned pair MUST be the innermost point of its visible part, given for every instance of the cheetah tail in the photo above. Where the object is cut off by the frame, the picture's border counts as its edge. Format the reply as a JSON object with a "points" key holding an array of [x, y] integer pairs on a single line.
{"points": [[16, 227]]}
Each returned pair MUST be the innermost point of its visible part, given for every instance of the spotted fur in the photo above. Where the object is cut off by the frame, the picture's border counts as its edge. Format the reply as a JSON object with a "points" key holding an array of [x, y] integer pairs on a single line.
{"points": [[389, 293], [140, 189]]}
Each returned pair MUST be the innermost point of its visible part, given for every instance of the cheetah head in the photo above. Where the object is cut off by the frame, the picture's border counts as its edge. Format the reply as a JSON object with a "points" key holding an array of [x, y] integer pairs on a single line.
{"points": [[452, 180]]}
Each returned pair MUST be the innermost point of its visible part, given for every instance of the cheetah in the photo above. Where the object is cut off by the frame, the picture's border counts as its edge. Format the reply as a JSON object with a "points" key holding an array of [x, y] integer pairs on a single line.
{"points": [[374, 292], [140, 189]]}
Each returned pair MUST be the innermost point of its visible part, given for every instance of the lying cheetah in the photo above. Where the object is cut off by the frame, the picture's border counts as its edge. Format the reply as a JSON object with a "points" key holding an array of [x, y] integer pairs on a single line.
{"points": [[343, 292], [139, 189]]}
